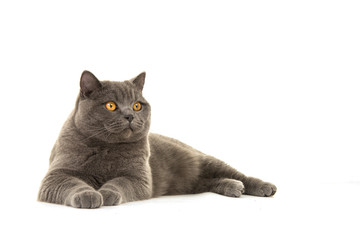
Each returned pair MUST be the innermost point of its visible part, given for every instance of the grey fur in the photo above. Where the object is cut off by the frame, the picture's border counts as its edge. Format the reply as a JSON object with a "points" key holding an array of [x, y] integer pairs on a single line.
{"points": [[107, 157]]}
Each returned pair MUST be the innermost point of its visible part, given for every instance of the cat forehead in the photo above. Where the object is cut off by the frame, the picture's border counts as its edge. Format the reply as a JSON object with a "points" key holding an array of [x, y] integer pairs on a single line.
{"points": [[119, 90]]}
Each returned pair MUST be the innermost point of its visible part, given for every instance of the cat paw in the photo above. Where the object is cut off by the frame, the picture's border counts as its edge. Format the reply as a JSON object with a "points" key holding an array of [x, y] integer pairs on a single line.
{"points": [[266, 190], [110, 197], [86, 199], [232, 187]]}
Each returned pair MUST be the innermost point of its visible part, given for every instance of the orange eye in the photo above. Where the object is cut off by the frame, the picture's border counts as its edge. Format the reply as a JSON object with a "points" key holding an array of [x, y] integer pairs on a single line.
{"points": [[137, 106], [111, 106]]}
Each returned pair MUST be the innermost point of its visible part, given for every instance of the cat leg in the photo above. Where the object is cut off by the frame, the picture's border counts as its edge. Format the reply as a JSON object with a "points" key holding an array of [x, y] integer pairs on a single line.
{"points": [[214, 168], [257, 187], [223, 186], [125, 189], [61, 187]]}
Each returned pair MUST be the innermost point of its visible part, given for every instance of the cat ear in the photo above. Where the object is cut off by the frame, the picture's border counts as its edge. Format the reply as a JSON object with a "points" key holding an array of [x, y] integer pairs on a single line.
{"points": [[139, 81], [88, 83]]}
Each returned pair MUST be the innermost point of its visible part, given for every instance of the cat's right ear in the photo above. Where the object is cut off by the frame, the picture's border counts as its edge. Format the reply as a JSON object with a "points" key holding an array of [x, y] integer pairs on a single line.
{"points": [[88, 83], [139, 81]]}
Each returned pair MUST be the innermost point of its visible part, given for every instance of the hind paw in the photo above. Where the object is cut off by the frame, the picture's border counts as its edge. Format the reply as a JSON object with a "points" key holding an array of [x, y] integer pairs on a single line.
{"points": [[264, 189], [268, 190], [230, 188]]}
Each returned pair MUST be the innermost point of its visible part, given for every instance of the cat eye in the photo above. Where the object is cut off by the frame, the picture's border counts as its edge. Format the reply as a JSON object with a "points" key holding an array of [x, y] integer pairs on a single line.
{"points": [[137, 106], [111, 106]]}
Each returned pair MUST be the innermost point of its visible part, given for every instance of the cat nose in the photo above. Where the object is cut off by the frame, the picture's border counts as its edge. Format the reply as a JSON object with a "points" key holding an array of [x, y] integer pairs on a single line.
{"points": [[129, 117]]}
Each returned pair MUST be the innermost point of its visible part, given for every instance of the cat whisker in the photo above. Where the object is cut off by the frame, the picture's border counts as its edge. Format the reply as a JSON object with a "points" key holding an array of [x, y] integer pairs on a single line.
{"points": [[96, 133], [138, 124]]}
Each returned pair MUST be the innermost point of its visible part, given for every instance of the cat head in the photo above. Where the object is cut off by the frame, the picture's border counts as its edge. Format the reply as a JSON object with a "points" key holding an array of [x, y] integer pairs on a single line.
{"points": [[110, 111]]}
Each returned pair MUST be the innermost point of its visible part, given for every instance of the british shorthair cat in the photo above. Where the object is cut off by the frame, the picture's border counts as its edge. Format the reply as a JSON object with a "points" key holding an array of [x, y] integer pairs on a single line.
{"points": [[106, 156]]}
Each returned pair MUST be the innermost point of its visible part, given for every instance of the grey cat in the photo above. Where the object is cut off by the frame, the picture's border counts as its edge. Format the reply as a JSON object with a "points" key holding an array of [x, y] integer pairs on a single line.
{"points": [[105, 154]]}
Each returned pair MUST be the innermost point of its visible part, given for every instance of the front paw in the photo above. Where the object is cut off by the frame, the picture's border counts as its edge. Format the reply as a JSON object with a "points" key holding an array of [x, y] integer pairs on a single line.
{"points": [[86, 199], [110, 197]]}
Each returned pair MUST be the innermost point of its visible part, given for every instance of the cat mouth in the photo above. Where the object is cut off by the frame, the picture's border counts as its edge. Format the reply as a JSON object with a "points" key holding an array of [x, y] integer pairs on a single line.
{"points": [[119, 129], [122, 133], [129, 127]]}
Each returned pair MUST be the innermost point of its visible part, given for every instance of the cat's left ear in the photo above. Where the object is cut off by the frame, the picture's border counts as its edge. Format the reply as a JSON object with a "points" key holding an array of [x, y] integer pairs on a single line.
{"points": [[139, 81]]}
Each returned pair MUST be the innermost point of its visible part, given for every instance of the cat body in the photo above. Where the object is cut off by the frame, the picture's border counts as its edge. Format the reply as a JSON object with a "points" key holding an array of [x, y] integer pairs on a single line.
{"points": [[105, 154]]}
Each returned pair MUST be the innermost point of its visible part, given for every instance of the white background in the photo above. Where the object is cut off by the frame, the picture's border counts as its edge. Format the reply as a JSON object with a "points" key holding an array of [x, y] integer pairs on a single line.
{"points": [[270, 87]]}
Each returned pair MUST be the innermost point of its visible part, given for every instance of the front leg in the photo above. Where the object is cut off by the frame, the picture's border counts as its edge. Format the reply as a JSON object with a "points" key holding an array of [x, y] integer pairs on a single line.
{"points": [[62, 187], [125, 189]]}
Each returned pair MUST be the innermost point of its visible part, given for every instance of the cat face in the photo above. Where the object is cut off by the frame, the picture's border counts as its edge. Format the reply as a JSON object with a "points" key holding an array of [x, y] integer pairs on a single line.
{"points": [[112, 112]]}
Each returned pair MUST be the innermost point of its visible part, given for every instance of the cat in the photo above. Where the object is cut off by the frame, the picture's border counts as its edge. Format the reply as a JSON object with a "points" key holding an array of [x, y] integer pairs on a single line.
{"points": [[105, 155]]}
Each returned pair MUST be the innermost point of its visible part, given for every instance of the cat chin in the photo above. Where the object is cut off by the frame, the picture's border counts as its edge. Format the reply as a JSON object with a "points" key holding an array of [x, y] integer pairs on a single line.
{"points": [[126, 133]]}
